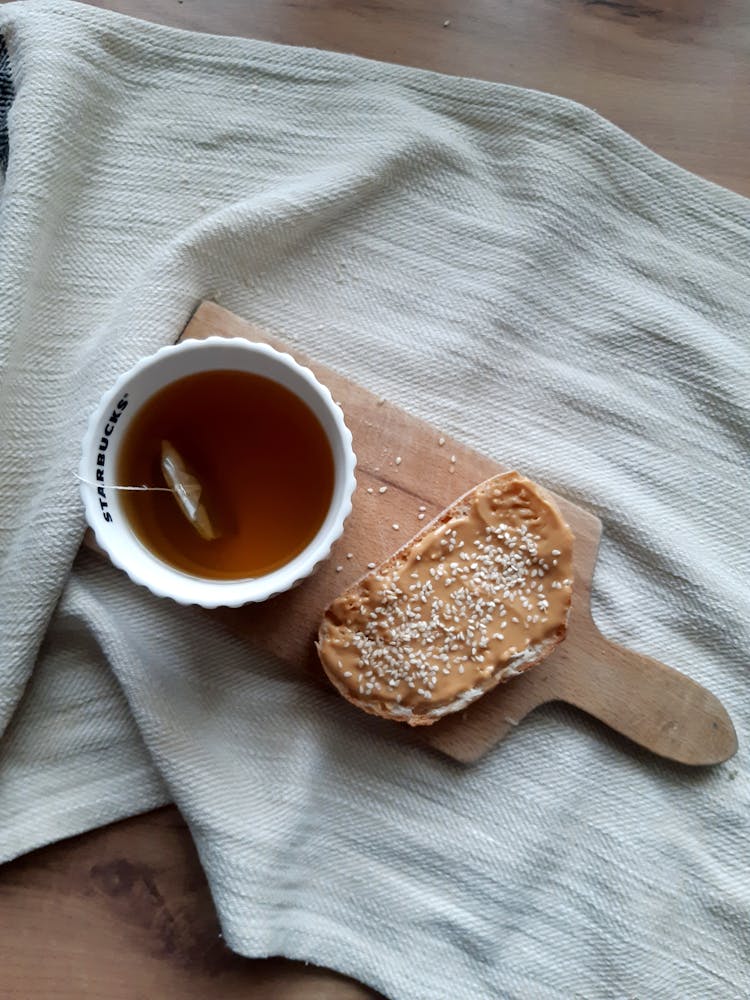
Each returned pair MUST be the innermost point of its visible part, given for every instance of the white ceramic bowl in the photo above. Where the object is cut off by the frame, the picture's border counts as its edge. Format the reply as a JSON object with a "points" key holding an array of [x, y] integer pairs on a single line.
{"points": [[106, 431]]}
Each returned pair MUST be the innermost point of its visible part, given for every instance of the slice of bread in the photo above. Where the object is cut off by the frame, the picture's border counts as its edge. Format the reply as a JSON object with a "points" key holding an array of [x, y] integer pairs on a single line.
{"points": [[478, 596]]}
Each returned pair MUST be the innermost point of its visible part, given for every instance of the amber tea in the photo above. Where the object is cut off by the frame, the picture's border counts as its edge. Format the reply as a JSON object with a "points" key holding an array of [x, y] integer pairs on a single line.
{"points": [[263, 462]]}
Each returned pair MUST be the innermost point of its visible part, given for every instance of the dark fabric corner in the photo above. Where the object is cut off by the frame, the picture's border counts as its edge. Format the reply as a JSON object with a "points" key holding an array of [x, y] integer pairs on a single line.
{"points": [[6, 99]]}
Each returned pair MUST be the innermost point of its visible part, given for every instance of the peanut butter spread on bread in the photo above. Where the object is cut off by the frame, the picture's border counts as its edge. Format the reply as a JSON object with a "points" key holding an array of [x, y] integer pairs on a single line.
{"points": [[478, 596]]}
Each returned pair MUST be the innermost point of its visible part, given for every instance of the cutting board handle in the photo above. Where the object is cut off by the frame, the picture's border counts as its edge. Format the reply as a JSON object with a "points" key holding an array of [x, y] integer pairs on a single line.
{"points": [[650, 703], [653, 705]]}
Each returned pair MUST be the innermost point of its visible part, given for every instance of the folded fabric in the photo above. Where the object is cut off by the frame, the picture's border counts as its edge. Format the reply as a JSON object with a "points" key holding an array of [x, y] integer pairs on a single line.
{"points": [[504, 263]]}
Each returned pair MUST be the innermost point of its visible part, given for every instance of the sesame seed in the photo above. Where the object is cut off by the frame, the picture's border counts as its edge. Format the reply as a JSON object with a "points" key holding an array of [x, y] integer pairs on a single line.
{"points": [[441, 441], [339, 568], [398, 460], [369, 489], [371, 565], [422, 508], [395, 526], [420, 517], [383, 489], [453, 459], [349, 555]]}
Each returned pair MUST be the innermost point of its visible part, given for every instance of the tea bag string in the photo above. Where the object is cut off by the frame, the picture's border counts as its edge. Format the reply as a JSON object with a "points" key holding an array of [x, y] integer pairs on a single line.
{"points": [[138, 489]]}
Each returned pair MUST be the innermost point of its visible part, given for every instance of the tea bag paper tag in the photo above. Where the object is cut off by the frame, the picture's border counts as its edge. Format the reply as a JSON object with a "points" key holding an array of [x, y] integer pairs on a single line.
{"points": [[187, 491]]}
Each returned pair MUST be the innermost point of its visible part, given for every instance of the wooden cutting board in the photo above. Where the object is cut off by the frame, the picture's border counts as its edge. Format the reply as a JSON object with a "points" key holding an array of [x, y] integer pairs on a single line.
{"points": [[648, 702]]}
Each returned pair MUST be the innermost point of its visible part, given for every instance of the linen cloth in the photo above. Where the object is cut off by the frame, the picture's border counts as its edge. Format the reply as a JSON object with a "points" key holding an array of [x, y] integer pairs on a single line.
{"points": [[504, 263]]}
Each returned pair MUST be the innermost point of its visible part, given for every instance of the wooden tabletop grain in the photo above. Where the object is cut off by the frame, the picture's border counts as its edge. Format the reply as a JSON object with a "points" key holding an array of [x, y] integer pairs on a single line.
{"points": [[124, 912]]}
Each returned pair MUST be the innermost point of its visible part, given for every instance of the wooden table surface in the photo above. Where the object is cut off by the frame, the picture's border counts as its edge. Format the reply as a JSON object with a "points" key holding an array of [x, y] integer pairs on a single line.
{"points": [[124, 912]]}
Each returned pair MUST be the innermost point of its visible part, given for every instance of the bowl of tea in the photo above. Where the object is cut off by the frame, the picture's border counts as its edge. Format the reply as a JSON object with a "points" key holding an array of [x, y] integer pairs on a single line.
{"points": [[217, 472]]}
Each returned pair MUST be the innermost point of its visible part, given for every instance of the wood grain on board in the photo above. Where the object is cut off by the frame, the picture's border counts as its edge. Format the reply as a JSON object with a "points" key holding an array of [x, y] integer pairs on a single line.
{"points": [[123, 913]]}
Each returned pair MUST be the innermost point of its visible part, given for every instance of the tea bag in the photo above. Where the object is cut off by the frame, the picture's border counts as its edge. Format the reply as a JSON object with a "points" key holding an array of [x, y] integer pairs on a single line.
{"points": [[187, 491]]}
